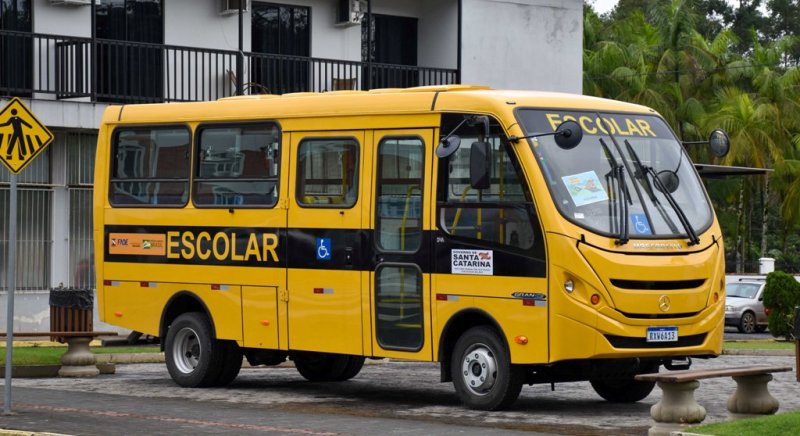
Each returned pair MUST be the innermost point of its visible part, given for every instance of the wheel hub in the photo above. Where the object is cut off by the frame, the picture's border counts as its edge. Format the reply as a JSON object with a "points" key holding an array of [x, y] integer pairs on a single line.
{"points": [[479, 369], [186, 353]]}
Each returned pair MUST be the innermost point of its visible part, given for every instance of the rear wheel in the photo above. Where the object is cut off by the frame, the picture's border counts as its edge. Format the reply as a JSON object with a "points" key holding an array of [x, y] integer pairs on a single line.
{"points": [[194, 358], [231, 363], [748, 323], [324, 367], [482, 373]]}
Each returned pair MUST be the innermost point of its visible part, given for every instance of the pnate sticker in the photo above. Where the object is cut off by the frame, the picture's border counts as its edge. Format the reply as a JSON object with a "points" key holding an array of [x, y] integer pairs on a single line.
{"points": [[324, 249], [640, 224], [585, 188], [475, 262]]}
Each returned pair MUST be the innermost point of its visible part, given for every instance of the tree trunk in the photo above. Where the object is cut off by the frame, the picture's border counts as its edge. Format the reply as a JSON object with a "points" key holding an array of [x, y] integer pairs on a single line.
{"points": [[740, 230]]}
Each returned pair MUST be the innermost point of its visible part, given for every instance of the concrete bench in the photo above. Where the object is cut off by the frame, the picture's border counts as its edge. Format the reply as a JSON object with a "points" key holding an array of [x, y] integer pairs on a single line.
{"points": [[678, 408], [78, 360]]}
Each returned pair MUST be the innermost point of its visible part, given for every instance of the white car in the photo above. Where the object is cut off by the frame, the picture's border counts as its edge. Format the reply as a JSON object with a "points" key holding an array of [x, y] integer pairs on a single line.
{"points": [[744, 305]]}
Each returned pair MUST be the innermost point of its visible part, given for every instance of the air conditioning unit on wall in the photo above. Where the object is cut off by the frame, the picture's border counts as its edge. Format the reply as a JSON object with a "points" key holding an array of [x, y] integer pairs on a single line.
{"points": [[70, 2], [228, 7], [350, 12]]}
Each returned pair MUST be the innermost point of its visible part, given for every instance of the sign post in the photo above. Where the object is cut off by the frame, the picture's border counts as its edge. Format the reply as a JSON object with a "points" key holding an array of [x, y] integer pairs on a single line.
{"points": [[24, 137]]}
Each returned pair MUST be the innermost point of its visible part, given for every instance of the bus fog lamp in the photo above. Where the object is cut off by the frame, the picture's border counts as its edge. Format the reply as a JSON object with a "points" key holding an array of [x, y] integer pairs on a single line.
{"points": [[569, 286]]}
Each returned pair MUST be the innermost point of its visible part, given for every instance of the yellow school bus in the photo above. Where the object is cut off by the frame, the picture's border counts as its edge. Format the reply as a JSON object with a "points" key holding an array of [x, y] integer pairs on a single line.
{"points": [[513, 237]]}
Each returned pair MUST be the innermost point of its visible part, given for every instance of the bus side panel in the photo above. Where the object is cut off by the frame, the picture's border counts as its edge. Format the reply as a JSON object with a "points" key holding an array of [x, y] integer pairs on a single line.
{"points": [[325, 311], [260, 317], [139, 305], [100, 196], [521, 319], [132, 306], [526, 317]]}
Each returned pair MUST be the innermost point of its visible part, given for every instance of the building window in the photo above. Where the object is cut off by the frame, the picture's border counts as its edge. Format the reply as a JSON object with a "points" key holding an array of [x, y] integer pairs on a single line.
{"points": [[387, 39], [327, 172], [16, 49], [150, 166], [237, 165], [34, 225], [282, 30], [80, 172], [129, 56]]}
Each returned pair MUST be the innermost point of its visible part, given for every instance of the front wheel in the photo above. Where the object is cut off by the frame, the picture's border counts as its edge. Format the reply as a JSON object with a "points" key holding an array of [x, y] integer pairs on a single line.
{"points": [[482, 373], [748, 323], [194, 357]]}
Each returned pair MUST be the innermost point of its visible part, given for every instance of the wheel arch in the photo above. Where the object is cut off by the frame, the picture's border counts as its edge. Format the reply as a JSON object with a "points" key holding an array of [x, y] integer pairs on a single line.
{"points": [[180, 303], [459, 323]]}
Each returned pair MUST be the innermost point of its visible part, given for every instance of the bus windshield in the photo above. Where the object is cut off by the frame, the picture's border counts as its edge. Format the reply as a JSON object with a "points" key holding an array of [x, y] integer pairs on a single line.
{"points": [[628, 177]]}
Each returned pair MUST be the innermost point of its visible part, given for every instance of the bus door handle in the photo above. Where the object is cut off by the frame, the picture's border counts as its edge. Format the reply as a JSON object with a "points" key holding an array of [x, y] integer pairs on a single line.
{"points": [[348, 256]]}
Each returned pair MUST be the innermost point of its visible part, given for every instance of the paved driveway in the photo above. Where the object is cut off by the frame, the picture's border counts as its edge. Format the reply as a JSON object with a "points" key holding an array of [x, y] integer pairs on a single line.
{"points": [[406, 394]]}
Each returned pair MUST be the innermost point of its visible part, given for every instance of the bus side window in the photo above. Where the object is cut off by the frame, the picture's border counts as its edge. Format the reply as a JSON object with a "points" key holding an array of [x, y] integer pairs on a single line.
{"points": [[150, 166], [327, 172], [500, 214], [235, 165]]}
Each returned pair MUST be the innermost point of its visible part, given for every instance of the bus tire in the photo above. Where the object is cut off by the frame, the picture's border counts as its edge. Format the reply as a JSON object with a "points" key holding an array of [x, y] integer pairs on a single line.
{"points": [[231, 363], [483, 375], [353, 367], [622, 390], [321, 367], [194, 358]]}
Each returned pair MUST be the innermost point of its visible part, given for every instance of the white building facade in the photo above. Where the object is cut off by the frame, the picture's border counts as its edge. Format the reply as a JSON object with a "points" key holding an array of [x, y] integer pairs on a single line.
{"points": [[68, 59]]}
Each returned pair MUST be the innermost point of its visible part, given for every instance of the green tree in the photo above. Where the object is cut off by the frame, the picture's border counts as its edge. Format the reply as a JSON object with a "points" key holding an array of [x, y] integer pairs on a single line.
{"points": [[781, 295]]}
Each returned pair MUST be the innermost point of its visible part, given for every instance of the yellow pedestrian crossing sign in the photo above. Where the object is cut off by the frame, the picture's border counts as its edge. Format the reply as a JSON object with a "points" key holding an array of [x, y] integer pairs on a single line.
{"points": [[22, 136]]}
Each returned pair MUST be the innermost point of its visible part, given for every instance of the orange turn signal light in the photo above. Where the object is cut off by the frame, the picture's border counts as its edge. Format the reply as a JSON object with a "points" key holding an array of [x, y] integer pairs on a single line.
{"points": [[595, 299], [265, 322], [716, 297], [522, 340], [118, 314]]}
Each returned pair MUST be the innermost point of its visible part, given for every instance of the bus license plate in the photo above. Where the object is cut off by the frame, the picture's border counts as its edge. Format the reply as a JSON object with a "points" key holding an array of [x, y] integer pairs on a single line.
{"points": [[662, 334]]}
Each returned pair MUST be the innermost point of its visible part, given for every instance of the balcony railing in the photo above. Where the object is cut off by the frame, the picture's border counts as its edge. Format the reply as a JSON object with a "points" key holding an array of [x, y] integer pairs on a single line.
{"points": [[129, 72]]}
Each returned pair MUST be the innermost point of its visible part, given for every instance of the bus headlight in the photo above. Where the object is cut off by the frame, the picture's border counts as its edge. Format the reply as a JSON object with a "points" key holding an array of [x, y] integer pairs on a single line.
{"points": [[569, 286]]}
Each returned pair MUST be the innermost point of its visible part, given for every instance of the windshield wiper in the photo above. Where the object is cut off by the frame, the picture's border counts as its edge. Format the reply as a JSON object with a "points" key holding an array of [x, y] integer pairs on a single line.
{"points": [[643, 171], [616, 178]]}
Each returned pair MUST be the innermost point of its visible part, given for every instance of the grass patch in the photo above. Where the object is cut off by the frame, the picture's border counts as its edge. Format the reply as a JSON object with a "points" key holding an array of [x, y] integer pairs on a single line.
{"points": [[758, 345], [774, 424], [51, 355]]}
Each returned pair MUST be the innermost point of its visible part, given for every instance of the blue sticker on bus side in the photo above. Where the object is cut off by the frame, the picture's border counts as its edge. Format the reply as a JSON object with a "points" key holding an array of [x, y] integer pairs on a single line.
{"points": [[640, 224], [323, 248]]}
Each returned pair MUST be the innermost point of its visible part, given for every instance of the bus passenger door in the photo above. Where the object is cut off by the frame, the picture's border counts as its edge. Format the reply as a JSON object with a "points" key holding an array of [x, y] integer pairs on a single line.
{"points": [[325, 242], [400, 281]]}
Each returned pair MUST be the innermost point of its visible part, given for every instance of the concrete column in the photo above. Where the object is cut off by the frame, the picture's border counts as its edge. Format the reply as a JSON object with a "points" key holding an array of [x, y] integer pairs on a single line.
{"points": [[677, 408], [751, 397]]}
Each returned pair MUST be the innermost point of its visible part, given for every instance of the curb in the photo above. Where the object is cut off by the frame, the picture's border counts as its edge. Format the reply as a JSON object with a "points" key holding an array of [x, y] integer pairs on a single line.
{"points": [[758, 352]]}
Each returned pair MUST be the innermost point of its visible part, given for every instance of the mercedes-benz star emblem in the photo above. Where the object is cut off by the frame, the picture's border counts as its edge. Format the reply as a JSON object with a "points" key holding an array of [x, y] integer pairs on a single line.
{"points": [[663, 303]]}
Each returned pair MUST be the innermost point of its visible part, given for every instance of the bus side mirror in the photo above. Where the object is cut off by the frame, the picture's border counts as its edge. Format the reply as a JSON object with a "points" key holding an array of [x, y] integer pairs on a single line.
{"points": [[479, 160], [719, 143], [568, 135]]}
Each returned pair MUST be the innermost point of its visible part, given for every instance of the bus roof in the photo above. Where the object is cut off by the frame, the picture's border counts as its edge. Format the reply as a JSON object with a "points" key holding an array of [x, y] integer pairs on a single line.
{"points": [[425, 99]]}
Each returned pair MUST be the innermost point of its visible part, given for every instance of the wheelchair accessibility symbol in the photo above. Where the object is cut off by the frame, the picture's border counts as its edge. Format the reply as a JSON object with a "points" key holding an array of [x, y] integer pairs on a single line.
{"points": [[640, 224], [324, 249]]}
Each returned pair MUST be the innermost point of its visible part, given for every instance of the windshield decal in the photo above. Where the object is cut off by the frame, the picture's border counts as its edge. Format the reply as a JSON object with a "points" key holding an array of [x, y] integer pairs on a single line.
{"points": [[585, 188], [640, 225]]}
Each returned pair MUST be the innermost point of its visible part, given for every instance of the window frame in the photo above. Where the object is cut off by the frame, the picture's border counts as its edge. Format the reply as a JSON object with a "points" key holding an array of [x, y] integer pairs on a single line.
{"points": [[195, 164], [112, 156], [421, 286], [378, 178], [356, 176], [443, 189]]}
